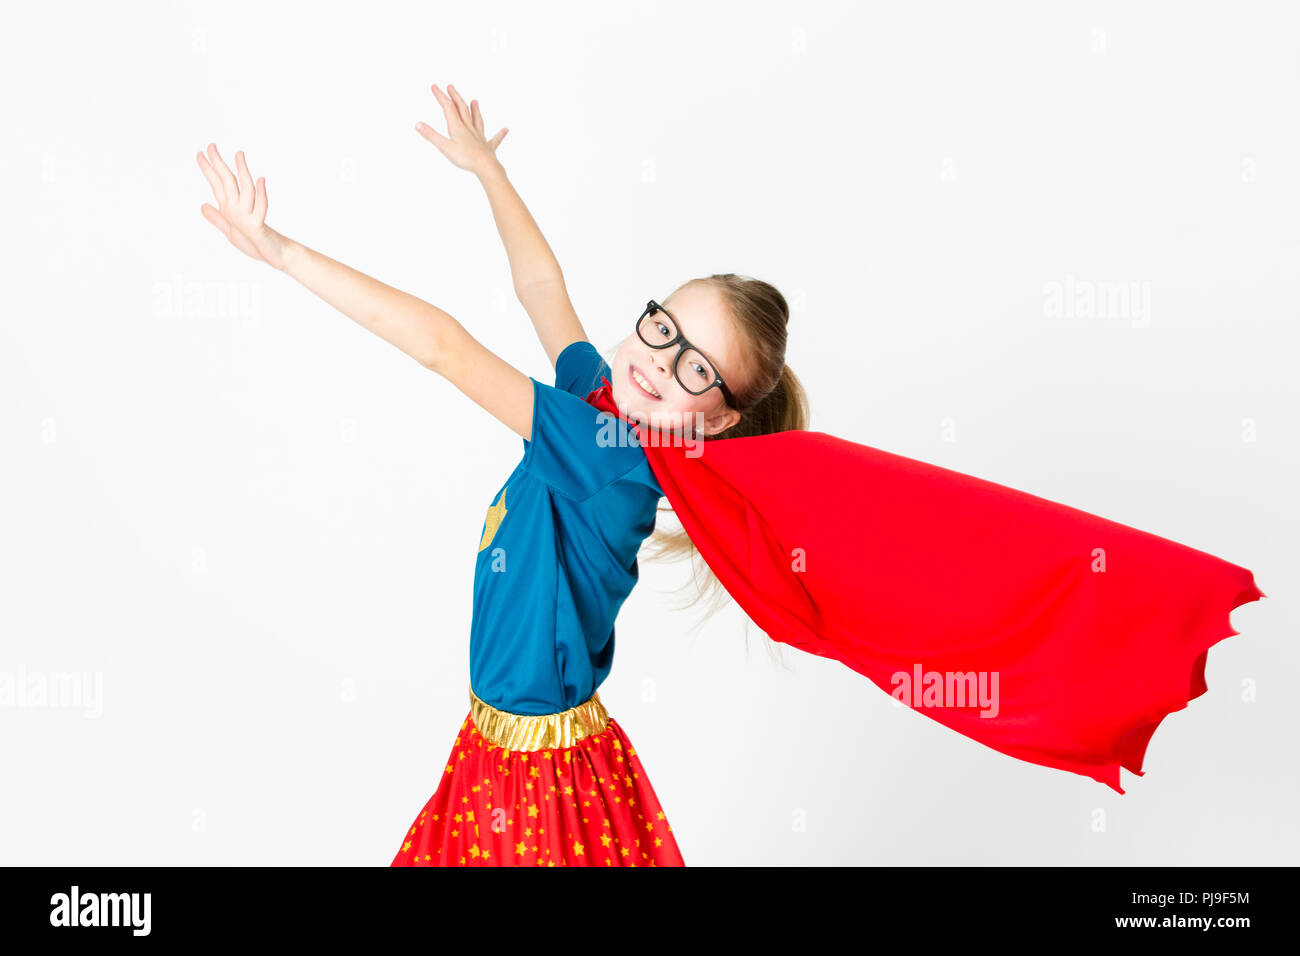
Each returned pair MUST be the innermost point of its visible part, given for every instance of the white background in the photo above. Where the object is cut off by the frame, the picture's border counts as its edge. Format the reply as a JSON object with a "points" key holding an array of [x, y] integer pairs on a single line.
{"points": [[254, 523]]}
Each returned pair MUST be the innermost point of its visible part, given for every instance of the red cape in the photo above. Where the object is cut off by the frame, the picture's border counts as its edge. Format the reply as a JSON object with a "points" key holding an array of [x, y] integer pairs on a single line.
{"points": [[1084, 632]]}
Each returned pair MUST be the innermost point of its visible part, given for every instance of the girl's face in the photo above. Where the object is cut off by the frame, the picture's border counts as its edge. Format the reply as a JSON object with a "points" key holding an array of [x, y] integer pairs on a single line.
{"points": [[702, 319]]}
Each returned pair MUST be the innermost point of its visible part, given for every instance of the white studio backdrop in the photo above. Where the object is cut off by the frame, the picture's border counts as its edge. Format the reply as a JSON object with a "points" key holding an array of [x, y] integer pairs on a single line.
{"points": [[1055, 247]]}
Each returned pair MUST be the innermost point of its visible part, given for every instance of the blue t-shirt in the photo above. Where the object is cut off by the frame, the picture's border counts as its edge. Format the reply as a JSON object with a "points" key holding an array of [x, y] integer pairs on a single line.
{"points": [[557, 556]]}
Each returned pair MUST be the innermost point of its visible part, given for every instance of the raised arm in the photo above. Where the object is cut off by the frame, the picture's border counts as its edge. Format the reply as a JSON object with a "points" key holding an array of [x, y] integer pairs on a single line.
{"points": [[423, 331], [535, 272]]}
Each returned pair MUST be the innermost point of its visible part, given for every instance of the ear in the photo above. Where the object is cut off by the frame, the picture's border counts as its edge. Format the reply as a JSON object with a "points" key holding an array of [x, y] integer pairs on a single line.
{"points": [[721, 421]]}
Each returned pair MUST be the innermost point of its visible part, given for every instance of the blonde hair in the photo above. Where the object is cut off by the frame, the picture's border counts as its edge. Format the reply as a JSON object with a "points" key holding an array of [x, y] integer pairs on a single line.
{"points": [[773, 400]]}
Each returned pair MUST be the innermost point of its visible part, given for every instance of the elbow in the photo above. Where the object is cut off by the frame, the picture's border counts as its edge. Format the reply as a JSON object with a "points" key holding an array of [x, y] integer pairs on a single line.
{"points": [[434, 359], [545, 280], [441, 347]]}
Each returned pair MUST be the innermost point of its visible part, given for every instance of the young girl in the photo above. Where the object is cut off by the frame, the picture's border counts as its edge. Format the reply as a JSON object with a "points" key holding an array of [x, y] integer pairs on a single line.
{"points": [[539, 773], [1049, 634]]}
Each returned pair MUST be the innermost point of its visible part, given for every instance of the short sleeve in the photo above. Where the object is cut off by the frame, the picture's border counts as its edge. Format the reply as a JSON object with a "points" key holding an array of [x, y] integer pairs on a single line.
{"points": [[579, 367], [576, 449]]}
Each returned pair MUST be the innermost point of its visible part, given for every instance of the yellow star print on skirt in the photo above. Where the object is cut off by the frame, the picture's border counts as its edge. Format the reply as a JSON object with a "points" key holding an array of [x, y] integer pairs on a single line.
{"points": [[555, 790]]}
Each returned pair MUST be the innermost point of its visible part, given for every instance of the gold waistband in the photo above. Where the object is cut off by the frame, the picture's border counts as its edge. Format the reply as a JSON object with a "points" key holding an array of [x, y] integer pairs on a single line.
{"points": [[527, 732]]}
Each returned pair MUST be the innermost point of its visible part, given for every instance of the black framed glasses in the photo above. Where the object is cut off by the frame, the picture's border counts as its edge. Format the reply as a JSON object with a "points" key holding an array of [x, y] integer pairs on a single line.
{"points": [[695, 373]]}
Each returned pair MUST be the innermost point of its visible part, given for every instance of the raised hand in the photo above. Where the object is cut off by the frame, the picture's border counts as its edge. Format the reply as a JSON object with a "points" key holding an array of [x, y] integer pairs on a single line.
{"points": [[465, 144], [241, 212]]}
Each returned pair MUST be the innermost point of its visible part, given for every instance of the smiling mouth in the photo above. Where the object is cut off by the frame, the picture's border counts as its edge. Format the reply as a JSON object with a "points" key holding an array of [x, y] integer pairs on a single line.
{"points": [[642, 383]]}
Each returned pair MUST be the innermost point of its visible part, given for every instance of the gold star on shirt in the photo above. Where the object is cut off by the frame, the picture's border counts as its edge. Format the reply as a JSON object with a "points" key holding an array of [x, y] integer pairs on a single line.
{"points": [[495, 514]]}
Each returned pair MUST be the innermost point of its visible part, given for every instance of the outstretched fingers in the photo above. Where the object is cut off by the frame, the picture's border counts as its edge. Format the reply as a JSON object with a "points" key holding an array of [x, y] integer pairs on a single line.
{"points": [[495, 141], [465, 143], [450, 111], [259, 203], [461, 109], [210, 174], [246, 191], [230, 186]]}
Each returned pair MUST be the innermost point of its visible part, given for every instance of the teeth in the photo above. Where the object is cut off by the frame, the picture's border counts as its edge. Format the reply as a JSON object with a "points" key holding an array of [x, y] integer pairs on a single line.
{"points": [[644, 384]]}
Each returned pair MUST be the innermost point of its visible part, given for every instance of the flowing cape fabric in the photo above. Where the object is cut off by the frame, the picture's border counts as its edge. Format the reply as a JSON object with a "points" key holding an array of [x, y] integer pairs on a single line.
{"points": [[1081, 633]]}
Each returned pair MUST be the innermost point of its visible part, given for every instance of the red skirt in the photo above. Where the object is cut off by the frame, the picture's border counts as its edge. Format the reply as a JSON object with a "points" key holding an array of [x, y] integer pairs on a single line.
{"points": [[585, 801]]}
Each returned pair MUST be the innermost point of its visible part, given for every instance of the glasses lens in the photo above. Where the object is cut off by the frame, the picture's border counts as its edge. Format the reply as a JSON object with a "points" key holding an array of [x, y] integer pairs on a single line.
{"points": [[656, 329], [694, 371]]}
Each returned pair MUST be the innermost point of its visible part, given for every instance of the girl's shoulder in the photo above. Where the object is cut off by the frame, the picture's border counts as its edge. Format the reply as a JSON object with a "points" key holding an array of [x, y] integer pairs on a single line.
{"points": [[576, 448], [579, 368]]}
